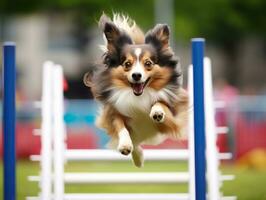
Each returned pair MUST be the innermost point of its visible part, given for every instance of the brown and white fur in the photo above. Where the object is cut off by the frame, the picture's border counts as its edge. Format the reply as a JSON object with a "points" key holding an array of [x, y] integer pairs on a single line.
{"points": [[139, 86]]}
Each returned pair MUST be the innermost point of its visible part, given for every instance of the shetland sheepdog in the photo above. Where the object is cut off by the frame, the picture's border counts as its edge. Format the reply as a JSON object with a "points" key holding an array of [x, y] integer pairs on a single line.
{"points": [[139, 84]]}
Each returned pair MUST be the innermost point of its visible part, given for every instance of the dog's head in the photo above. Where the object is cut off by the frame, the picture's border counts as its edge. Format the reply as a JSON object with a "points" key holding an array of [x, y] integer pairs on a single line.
{"points": [[150, 64]]}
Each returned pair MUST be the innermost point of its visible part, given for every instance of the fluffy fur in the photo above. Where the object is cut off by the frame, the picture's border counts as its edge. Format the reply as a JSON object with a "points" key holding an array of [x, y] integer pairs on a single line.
{"points": [[139, 84]]}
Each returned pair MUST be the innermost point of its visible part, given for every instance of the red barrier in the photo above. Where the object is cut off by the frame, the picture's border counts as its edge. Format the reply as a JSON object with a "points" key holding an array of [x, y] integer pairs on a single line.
{"points": [[27, 144], [249, 136]]}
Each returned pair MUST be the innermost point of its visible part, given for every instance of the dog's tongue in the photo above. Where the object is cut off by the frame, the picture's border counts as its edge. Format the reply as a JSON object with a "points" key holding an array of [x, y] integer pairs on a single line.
{"points": [[138, 88]]}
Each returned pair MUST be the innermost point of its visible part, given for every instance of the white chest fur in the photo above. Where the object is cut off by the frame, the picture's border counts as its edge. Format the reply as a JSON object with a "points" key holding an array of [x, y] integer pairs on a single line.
{"points": [[128, 104], [137, 108]]}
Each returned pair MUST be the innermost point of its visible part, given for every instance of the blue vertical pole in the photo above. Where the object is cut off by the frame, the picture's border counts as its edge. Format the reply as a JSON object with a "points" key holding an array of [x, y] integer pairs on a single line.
{"points": [[9, 113], [199, 117]]}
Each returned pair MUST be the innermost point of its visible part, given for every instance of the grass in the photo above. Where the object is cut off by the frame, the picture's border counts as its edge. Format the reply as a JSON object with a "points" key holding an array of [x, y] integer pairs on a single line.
{"points": [[248, 185]]}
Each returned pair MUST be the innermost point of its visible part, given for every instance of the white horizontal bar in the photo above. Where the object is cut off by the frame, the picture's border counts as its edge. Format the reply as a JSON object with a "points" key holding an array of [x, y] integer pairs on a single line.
{"points": [[127, 178], [112, 196], [154, 155], [229, 198], [36, 132], [222, 129], [227, 177], [125, 196], [112, 155], [34, 178], [35, 157], [225, 156], [122, 178], [33, 198]]}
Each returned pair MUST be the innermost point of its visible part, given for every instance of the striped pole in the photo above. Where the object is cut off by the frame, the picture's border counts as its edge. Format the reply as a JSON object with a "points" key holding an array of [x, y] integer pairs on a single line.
{"points": [[9, 117], [199, 117]]}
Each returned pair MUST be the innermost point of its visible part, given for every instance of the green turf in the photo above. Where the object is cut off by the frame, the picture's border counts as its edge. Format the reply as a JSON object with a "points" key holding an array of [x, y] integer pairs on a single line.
{"points": [[248, 185]]}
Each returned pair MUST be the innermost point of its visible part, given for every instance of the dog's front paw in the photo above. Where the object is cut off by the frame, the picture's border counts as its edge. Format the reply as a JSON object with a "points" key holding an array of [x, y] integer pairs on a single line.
{"points": [[157, 114], [125, 145]]}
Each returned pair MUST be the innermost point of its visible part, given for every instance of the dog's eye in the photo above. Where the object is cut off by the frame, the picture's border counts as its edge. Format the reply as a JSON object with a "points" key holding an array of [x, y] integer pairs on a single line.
{"points": [[127, 65], [148, 64]]}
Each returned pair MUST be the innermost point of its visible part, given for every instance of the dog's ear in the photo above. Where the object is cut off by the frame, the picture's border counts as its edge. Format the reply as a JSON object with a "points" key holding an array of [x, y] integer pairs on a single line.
{"points": [[158, 36], [115, 37], [109, 29], [103, 20]]}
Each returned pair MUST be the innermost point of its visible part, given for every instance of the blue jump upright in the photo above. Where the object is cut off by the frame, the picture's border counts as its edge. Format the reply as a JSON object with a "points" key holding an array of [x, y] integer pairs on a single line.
{"points": [[199, 117], [9, 117]]}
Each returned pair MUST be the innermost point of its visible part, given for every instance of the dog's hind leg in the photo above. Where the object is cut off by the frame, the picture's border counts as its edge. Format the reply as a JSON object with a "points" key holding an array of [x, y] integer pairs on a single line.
{"points": [[137, 156]]}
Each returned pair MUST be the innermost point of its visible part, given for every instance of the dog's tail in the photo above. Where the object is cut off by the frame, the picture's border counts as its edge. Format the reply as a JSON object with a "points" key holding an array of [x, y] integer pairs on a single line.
{"points": [[89, 76], [126, 24]]}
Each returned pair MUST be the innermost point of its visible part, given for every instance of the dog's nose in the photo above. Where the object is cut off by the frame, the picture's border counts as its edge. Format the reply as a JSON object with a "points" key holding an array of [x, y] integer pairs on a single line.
{"points": [[136, 76]]}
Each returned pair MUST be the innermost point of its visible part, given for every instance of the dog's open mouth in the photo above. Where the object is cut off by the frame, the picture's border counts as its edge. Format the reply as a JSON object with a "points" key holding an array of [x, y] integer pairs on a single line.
{"points": [[139, 87]]}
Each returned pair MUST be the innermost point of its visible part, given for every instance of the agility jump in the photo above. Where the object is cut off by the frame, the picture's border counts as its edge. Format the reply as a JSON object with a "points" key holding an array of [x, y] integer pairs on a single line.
{"points": [[52, 177]]}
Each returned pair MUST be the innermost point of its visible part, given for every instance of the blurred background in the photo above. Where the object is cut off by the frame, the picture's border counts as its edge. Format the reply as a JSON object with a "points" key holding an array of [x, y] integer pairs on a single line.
{"points": [[66, 32]]}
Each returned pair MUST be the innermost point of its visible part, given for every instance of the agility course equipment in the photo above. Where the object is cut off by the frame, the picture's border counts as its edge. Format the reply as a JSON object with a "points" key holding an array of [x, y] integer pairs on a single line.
{"points": [[53, 135], [54, 154], [9, 120]]}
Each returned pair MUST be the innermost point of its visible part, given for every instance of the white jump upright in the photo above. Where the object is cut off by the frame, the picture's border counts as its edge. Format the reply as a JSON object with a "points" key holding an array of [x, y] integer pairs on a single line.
{"points": [[58, 132], [191, 159], [54, 153], [46, 133], [211, 149]]}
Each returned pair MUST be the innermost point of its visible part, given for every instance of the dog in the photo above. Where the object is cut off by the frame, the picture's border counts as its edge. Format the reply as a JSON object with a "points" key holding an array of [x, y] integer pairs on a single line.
{"points": [[139, 84]]}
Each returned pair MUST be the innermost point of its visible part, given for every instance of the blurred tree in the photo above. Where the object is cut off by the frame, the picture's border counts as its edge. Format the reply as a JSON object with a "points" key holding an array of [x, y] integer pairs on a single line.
{"points": [[223, 22], [206, 17]]}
